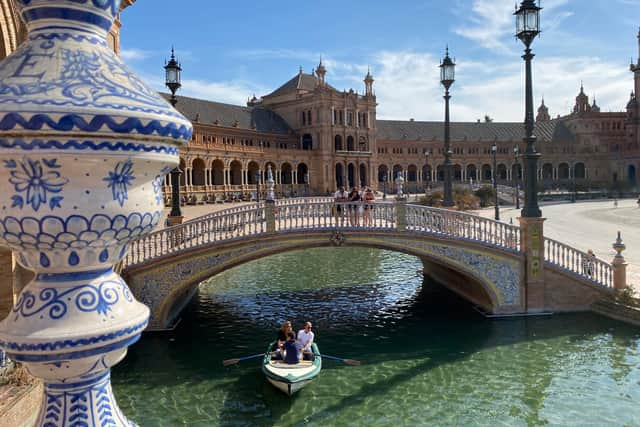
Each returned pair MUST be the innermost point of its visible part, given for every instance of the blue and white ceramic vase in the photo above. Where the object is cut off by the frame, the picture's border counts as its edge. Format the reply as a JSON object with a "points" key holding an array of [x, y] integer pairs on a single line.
{"points": [[84, 146]]}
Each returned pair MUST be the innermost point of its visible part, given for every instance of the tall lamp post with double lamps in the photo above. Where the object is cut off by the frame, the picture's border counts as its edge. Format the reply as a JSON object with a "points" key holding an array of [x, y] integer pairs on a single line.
{"points": [[447, 77], [516, 175], [426, 179], [527, 28], [494, 150], [384, 186], [172, 81]]}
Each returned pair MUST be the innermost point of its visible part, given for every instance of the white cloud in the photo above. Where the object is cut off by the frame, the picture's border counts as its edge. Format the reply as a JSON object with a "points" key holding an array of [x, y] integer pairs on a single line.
{"points": [[407, 86], [488, 24], [230, 92], [491, 23], [134, 54]]}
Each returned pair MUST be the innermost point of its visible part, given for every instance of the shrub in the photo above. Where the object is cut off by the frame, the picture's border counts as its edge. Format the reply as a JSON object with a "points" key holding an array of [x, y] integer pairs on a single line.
{"points": [[433, 199], [628, 297], [487, 196], [465, 199]]}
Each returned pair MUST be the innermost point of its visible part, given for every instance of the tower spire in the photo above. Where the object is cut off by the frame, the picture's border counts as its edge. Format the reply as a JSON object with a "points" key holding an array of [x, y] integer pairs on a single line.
{"points": [[321, 71], [368, 83]]}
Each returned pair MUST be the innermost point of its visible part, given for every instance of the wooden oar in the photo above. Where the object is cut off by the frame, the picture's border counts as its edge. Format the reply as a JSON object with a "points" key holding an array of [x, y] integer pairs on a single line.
{"points": [[350, 362], [240, 359]]}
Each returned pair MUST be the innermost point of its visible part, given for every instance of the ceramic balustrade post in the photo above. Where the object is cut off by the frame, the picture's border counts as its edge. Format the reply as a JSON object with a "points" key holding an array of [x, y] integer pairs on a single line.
{"points": [[84, 148], [619, 265]]}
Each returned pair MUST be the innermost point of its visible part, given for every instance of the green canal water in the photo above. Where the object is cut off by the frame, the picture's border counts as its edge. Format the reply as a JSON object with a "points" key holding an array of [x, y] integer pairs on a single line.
{"points": [[428, 358]]}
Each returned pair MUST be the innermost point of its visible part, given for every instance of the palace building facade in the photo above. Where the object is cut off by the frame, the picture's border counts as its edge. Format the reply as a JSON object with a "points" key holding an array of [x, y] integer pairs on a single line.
{"points": [[315, 138]]}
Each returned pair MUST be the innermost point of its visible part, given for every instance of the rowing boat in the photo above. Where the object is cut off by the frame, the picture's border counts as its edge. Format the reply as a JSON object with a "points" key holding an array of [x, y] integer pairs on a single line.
{"points": [[290, 378]]}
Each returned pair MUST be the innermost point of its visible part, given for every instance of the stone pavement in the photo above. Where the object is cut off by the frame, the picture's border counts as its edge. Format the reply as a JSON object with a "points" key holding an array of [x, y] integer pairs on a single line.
{"points": [[591, 225]]}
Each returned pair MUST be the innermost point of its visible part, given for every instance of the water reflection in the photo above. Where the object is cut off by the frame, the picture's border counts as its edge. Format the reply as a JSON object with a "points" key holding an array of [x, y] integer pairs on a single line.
{"points": [[428, 357]]}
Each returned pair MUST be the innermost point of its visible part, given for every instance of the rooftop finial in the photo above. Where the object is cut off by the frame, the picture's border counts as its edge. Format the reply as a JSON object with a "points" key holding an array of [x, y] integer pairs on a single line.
{"points": [[301, 69], [172, 53]]}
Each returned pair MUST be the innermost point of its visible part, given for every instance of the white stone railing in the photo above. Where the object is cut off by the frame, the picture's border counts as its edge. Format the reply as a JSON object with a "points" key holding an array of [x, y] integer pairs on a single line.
{"points": [[218, 227], [236, 209], [321, 214], [570, 259], [458, 225], [304, 214]]}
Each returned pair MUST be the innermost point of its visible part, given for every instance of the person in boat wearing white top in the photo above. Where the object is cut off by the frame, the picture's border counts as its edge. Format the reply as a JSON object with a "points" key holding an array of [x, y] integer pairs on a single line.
{"points": [[305, 338]]}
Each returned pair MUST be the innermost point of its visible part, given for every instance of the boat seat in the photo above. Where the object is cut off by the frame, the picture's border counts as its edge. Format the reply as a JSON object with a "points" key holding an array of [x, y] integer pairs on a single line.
{"points": [[281, 364]]}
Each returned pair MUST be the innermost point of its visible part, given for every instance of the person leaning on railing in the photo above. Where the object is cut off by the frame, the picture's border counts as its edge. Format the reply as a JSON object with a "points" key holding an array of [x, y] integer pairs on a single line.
{"points": [[339, 197], [368, 198], [355, 205]]}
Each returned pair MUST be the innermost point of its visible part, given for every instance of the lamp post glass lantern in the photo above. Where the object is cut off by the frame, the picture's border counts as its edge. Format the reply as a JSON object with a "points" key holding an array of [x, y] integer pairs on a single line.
{"points": [[527, 28], [494, 150], [447, 77], [172, 77]]}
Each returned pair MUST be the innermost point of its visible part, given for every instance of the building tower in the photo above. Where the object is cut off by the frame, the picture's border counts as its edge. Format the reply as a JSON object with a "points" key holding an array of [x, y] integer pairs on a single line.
{"points": [[543, 113], [635, 69], [321, 73], [368, 84], [582, 102]]}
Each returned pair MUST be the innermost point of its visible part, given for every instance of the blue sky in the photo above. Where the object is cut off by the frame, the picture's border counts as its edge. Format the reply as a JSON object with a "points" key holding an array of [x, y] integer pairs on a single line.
{"points": [[230, 50]]}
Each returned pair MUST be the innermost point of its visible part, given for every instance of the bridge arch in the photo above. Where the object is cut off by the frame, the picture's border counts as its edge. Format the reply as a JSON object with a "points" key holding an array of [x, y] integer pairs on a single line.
{"points": [[479, 258], [168, 286]]}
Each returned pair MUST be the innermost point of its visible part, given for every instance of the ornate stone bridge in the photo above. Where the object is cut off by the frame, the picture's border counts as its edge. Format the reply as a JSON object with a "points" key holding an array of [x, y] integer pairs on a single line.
{"points": [[481, 259]]}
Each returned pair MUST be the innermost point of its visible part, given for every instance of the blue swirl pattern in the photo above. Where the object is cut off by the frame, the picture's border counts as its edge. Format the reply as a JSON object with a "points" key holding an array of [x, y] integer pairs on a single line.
{"points": [[86, 298]]}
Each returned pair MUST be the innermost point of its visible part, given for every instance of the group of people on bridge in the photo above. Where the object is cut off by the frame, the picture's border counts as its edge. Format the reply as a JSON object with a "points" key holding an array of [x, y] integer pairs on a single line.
{"points": [[356, 206], [293, 349]]}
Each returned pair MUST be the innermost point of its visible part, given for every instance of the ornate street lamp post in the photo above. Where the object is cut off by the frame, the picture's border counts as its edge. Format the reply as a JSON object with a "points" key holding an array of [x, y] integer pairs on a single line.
{"points": [[306, 181], [572, 171], [494, 150], [447, 77], [428, 178], [384, 186], [172, 81], [527, 28], [516, 177], [258, 187]]}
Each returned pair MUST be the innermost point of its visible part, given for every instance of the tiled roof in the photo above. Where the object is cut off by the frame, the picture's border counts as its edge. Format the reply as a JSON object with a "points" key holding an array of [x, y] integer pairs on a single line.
{"points": [[228, 115], [469, 131], [300, 81]]}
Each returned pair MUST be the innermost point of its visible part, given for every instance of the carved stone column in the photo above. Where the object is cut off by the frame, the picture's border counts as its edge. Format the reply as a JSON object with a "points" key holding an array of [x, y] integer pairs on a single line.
{"points": [[532, 244], [84, 148]]}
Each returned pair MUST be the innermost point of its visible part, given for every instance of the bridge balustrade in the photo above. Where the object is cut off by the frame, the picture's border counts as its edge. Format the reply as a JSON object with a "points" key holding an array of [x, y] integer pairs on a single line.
{"points": [[578, 262], [223, 226], [322, 213], [302, 214], [462, 226]]}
